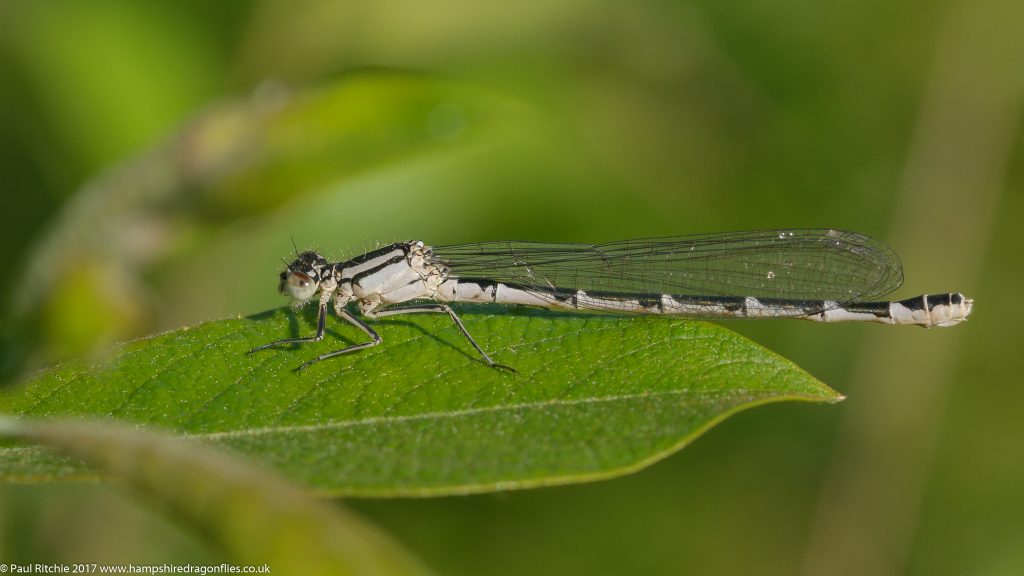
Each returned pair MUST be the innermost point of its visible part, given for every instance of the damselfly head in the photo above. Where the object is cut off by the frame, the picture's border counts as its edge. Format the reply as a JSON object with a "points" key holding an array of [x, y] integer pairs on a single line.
{"points": [[302, 277]]}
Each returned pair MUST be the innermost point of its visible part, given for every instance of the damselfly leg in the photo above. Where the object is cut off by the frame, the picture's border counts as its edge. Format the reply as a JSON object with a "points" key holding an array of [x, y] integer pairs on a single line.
{"points": [[375, 338], [348, 317], [321, 323], [444, 309]]}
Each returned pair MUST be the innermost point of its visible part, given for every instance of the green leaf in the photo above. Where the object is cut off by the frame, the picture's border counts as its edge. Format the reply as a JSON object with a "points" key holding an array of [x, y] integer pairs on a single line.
{"points": [[253, 516], [595, 397]]}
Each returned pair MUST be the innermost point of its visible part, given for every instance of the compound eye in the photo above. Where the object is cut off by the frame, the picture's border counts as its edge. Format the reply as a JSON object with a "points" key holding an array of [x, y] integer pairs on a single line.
{"points": [[300, 286]]}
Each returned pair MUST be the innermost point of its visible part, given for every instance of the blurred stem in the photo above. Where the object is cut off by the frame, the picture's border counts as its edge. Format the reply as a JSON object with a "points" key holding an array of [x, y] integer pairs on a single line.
{"points": [[866, 517], [247, 512]]}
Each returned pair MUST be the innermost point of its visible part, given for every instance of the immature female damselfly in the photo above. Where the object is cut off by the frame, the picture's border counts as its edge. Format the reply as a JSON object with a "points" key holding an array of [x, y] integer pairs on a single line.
{"points": [[812, 274]]}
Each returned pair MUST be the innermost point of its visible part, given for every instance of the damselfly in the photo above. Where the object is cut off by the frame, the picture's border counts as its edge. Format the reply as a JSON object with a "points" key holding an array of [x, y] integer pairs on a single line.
{"points": [[811, 274]]}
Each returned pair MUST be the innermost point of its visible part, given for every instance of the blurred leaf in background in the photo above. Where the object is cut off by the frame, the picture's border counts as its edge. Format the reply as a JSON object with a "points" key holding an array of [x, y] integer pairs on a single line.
{"points": [[232, 126], [238, 160], [246, 512]]}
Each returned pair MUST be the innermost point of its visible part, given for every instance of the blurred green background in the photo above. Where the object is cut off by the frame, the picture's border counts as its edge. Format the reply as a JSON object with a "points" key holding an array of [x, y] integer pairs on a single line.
{"points": [[156, 156]]}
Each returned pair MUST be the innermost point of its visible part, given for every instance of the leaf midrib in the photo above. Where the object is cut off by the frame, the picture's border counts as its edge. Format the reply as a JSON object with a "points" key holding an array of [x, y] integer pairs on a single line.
{"points": [[555, 402]]}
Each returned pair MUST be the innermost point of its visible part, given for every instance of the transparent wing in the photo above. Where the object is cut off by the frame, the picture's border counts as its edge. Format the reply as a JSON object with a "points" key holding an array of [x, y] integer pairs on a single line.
{"points": [[803, 264]]}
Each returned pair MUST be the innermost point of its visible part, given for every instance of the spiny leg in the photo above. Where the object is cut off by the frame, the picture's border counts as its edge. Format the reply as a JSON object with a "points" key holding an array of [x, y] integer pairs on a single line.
{"points": [[348, 317], [445, 309], [321, 322]]}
